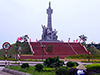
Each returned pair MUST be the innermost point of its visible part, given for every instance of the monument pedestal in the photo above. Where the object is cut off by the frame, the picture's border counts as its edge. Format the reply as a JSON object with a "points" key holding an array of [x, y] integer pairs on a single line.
{"points": [[60, 49], [49, 41]]}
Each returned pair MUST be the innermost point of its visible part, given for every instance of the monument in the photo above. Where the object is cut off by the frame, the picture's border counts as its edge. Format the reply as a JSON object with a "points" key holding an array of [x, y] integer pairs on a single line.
{"points": [[48, 34]]}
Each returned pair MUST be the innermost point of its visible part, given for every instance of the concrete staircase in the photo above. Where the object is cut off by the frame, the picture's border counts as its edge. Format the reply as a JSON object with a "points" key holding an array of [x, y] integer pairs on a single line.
{"points": [[59, 49]]}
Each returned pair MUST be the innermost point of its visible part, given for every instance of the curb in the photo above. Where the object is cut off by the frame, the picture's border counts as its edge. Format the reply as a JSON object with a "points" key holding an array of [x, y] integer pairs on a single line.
{"points": [[15, 72]]}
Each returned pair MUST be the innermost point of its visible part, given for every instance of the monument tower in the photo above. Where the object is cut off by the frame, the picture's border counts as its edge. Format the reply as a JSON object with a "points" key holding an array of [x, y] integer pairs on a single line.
{"points": [[48, 34], [49, 12]]}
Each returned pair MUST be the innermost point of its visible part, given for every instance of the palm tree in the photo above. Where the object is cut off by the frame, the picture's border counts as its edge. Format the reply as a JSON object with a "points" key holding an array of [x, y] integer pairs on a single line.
{"points": [[83, 38], [25, 38]]}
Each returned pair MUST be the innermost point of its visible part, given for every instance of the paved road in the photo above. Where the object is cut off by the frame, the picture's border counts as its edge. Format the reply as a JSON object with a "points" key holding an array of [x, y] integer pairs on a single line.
{"points": [[3, 73], [32, 63]]}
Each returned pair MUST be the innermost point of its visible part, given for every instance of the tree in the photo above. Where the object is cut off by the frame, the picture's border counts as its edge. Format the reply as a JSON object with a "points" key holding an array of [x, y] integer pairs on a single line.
{"points": [[25, 45], [25, 38], [83, 38], [49, 48]]}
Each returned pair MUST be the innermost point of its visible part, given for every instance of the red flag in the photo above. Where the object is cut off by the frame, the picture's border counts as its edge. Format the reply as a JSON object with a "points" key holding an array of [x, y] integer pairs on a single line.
{"points": [[68, 39], [19, 39], [74, 41], [61, 40], [29, 40], [80, 39], [36, 40]]}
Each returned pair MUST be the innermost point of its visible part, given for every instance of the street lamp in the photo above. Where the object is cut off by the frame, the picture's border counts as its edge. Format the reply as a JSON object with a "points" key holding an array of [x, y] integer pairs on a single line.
{"points": [[92, 52], [11, 52], [16, 46], [43, 46]]}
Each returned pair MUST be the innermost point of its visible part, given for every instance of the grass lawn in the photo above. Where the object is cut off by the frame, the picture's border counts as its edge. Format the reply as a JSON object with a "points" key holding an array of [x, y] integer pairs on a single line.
{"points": [[31, 70], [97, 74]]}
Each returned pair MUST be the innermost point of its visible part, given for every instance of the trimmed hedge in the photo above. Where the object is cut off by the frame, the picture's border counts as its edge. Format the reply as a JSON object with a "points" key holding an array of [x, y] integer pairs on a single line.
{"points": [[70, 64], [39, 67], [25, 65]]}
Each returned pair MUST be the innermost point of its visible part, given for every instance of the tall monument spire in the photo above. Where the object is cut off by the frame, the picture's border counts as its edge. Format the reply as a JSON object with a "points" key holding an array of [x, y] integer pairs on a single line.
{"points": [[49, 12], [48, 34]]}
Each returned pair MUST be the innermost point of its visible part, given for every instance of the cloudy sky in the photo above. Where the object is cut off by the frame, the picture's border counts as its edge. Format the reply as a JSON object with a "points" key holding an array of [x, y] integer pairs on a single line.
{"points": [[71, 18]]}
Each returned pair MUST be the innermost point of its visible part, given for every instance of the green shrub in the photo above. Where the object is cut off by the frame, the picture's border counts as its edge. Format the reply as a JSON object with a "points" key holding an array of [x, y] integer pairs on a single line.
{"points": [[93, 66], [75, 63], [1, 58], [13, 59], [22, 59], [62, 71], [29, 60], [24, 65], [15, 63], [48, 69], [53, 62], [39, 67], [70, 64]]}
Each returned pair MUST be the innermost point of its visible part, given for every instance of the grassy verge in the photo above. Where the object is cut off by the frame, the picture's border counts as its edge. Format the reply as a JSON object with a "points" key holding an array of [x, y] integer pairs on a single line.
{"points": [[13, 59], [49, 71], [98, 60], [97, 74], [83, 57], [31, 70]]}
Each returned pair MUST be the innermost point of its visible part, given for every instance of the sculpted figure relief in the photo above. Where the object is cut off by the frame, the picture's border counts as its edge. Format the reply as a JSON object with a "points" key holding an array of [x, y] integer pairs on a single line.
{"points": [[48, 34], [53, 35], [44, 34]]}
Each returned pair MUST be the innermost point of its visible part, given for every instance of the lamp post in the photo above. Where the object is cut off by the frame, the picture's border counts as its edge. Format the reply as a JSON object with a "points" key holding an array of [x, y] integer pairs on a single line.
{"points": [[92, 52], [11, 52], [16, 50], [89, 45], [43, 46]]}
